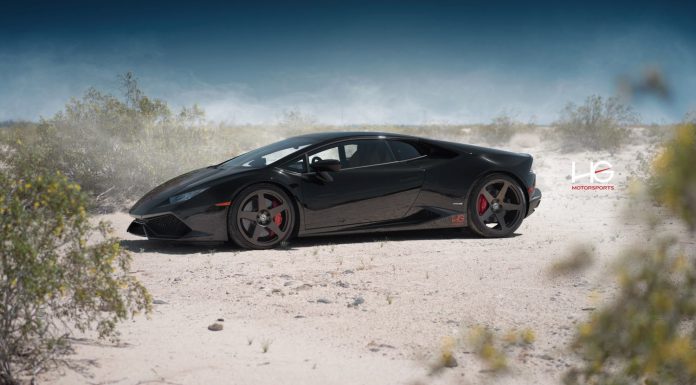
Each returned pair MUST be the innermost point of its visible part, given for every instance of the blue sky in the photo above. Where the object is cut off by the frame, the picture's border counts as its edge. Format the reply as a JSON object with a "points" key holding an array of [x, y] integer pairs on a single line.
{"points": [[348, 61]]}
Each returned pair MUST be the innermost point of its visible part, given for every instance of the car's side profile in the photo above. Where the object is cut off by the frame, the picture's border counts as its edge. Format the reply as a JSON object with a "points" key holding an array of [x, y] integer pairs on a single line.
{"points": [[344, 182]]}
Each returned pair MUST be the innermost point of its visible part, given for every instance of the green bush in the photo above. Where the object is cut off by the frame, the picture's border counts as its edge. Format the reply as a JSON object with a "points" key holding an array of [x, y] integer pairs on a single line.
{"points": [[118, 149], [55, 276], [598, 124], [674, 180], [499, 131], [647, 333]]}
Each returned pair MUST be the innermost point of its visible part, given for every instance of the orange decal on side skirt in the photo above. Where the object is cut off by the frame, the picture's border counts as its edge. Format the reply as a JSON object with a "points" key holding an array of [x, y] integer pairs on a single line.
{"points": [[457, 219]]}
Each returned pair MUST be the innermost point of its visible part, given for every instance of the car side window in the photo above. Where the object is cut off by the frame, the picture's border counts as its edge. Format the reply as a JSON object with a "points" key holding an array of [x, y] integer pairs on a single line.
{"points": [[361, 153], [356, 153], [328, 153], [404, 150], [297, 165]]}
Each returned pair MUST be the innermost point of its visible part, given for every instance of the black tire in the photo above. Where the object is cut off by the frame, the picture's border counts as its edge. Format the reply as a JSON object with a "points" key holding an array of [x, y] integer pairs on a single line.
{"points": [[261, 217], [504, 208]]}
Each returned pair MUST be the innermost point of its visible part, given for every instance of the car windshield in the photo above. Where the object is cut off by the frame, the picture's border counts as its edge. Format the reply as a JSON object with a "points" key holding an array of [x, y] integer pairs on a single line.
{"points": [[266, 155]]}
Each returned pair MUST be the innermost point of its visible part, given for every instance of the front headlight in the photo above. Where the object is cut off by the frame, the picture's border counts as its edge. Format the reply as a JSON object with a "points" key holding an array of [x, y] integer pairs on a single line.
{"points": [[185, 196]]}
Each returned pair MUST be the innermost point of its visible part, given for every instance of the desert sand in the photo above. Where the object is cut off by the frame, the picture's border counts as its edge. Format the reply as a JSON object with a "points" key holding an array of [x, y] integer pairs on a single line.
{"points": [[370, 309]]}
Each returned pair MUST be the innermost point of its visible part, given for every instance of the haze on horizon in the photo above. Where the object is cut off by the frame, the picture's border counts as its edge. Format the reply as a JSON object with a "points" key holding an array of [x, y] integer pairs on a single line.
{"points": [[348, 62]]}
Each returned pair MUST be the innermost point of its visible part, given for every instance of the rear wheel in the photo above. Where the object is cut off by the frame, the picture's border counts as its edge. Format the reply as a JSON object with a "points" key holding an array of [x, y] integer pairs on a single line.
{"points": [[261, 218], [497, 206]]}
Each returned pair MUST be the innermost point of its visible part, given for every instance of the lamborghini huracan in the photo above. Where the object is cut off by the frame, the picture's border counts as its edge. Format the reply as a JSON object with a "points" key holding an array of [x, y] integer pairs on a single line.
{"points": [[342, 182]]}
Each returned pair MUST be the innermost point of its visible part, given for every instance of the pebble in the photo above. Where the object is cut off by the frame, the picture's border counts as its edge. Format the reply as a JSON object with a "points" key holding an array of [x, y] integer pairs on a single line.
{"points": [[451, 362], [216, 327], [357, 301]]}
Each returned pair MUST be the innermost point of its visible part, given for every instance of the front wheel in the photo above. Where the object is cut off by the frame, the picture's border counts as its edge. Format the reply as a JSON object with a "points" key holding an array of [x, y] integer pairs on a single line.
{"points": [[261, 218], [497, 206]]}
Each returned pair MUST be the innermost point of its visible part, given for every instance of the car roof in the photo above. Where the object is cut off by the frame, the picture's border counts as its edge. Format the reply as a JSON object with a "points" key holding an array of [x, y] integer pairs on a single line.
{"points": [[327, 136]]}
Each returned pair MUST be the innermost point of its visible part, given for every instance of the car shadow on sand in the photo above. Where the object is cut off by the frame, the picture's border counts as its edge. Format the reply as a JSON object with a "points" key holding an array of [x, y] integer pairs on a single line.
{"points": [[182, 247]]}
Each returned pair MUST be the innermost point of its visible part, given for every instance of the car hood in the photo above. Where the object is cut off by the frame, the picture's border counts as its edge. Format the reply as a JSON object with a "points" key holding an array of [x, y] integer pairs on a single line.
{"points": [[160, 195]]}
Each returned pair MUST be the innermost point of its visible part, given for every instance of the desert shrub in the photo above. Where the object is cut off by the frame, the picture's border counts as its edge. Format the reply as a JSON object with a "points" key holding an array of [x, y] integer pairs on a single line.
{"points": [[499, 131], [294, 121], [647, 333], [492, 350], [656, 134], [690, 117], [58, 273], [598, 124], [674, 180], [117, 149]]}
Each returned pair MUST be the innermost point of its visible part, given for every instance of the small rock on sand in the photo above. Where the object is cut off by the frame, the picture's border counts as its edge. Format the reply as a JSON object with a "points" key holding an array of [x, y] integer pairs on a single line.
{"points": [[216, 327], [450, 362], [357, 301]]}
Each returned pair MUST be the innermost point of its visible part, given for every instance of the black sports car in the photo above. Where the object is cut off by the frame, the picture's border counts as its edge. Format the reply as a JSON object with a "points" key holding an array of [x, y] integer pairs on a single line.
{"points": [[342, 182]]}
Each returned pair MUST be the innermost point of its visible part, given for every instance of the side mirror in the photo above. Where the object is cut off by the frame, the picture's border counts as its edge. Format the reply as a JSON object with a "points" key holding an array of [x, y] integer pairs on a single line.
{"points": [[326, 165]]}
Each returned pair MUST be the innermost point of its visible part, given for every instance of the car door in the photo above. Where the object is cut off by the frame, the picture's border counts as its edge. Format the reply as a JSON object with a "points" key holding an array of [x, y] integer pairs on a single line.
{"points": [[372, 185]]}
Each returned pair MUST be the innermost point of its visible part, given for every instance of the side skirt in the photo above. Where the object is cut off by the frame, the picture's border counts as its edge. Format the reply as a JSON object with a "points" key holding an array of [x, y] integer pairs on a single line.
{"points": [[426, 218]]}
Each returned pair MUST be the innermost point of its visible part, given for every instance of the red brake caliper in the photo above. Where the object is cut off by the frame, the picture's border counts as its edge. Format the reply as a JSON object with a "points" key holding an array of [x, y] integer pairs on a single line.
{"points": [[278, 218], [482, 204]]}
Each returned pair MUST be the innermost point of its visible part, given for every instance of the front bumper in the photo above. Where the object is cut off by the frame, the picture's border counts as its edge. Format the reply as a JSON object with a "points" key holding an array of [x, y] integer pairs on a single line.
{"points": [[165, 226], [534, 201]]}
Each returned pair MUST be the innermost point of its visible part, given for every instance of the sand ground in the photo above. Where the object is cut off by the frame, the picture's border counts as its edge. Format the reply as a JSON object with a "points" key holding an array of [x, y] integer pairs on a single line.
{"points": [[417, 288]]}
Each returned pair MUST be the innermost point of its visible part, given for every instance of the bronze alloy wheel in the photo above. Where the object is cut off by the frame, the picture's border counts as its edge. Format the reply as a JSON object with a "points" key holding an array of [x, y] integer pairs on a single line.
{"points": [[497, 206], [263, 217]]}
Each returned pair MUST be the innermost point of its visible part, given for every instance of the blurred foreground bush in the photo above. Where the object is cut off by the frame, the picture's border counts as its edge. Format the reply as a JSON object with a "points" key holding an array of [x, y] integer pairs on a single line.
{"points": [[647, 333], [674, 181], [58, 272], [598, 124]]}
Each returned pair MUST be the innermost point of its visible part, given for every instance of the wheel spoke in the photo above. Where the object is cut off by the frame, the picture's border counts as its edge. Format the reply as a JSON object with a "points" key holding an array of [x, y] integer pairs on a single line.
{"points": [[273, 227], [486, 214], [277, 210], [258, 232], [261, 201], [503, 191], [487, 195], [511, 206], [500, 217], [249, 215]]}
